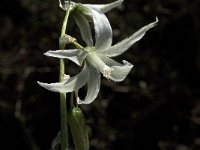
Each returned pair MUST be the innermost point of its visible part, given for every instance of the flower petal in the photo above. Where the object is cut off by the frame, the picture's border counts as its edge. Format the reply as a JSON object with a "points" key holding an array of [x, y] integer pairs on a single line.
{"points": [[120, 71], [72, 84], [75, 55], [105, 8], [82, 9], [84, 27], [124, 45], [103, 30], [93, 87]]}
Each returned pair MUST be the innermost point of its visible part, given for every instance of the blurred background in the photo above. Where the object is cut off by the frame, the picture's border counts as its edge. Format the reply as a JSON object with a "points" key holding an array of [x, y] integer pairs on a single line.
{"points": [[157, 107]]}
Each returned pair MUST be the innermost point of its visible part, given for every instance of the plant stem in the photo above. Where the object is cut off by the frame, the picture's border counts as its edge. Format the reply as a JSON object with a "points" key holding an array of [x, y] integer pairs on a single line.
{"points": [[63, 105], [77, 45], [72, 100]]}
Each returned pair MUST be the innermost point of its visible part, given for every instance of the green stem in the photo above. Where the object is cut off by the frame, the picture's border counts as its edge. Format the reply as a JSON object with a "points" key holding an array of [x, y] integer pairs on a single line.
{"points": [[72, 100], [63, 105], [77, 45]]}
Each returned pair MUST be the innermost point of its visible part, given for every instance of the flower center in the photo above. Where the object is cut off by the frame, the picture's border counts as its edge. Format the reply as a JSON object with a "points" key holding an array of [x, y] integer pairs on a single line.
{"points": [[94, 60], [89, 49], [107, 71]]}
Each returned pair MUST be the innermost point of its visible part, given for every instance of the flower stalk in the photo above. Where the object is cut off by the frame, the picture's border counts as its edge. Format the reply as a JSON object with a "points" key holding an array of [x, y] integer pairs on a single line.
{"points": [[63, 105]]}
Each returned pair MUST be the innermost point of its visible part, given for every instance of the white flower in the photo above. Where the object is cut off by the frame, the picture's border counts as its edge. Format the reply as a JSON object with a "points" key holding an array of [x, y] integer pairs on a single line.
{"points": [[97, 59]]}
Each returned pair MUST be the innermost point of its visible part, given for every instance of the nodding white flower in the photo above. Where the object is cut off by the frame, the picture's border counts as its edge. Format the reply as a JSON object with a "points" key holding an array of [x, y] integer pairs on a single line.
{"points": [[96, 59]]}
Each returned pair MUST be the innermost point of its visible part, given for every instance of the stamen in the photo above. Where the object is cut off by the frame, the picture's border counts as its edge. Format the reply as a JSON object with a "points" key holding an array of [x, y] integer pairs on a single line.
{"points": [[107, 71]]}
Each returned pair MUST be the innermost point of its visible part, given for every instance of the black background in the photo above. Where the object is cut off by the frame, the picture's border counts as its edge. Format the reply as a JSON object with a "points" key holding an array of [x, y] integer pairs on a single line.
{"points": [[157, 107]]}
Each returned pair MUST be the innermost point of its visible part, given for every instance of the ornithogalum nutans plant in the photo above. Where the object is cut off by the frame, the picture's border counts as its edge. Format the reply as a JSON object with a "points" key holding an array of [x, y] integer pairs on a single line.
{"points": [[94, 58]]}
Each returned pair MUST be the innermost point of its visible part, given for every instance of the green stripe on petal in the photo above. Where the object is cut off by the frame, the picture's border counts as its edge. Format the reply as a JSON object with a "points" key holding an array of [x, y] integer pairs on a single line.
{"points": [[75, 55], [105, 8], [80, 8], [124, 45], [103, 30], [93, 87], [119, 71], [84, 26], [72, 84]]}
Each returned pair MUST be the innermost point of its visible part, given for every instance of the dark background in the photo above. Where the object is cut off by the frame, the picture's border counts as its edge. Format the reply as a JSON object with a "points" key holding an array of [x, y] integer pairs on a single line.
{"points": [[157, 107]]}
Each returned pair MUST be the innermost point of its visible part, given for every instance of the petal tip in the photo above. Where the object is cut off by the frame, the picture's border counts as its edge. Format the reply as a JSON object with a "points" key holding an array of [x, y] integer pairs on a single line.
{"points": [[155, 22], [40, 83], [47, 53], [156, 19]]}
